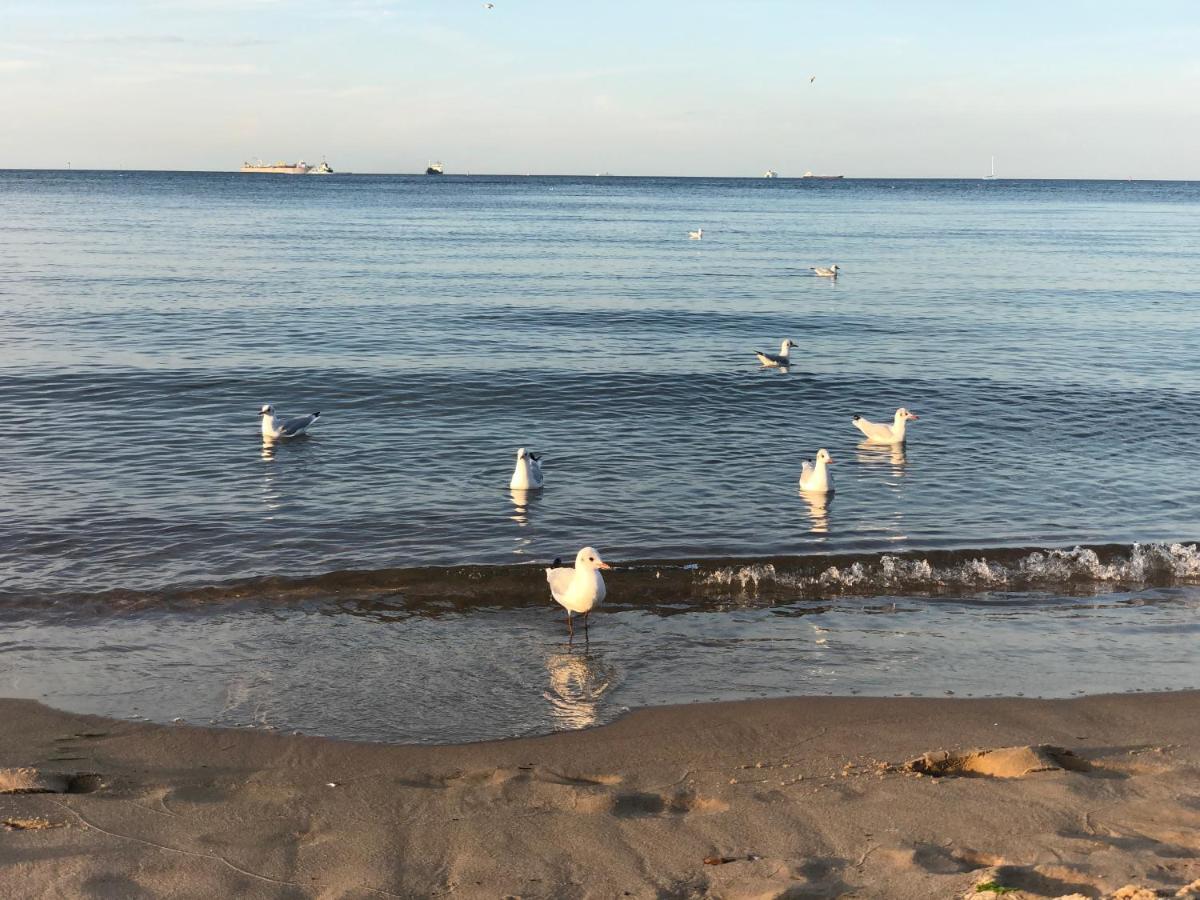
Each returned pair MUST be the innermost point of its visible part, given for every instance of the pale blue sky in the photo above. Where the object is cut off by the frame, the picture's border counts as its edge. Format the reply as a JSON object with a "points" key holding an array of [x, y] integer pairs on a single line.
{"points": [[1056, 88]]}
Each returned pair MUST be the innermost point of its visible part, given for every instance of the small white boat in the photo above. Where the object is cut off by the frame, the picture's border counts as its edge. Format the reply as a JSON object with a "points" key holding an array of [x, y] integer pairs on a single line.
{"points": [[770, 173]]}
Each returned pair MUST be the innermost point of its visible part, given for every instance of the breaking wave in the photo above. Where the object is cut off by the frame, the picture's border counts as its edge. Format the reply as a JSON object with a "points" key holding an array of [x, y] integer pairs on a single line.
{"points": [[675, 584]]}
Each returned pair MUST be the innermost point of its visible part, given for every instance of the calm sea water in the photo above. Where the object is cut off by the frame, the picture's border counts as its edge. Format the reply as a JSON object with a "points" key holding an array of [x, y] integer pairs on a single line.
{"points": [[1046, 333]]}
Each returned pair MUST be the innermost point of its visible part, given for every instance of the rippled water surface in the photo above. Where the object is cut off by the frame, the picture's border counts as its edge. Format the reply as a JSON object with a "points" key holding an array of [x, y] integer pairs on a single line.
{"points": [[1045, 332]]}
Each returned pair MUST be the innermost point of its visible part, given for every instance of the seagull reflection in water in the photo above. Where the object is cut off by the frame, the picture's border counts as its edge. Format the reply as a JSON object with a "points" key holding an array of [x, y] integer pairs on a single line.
{"points": [[819, 504], [579, 679], [523, 503], [893, 455]]}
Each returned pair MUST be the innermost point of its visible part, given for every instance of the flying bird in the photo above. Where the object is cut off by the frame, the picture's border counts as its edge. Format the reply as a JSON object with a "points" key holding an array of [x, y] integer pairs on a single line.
{"points": [[812, 79], [489, 6]]}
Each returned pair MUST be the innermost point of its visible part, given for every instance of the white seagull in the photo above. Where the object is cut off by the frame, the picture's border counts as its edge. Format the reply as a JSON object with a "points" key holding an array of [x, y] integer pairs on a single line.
{"points": [[773, 360], [878, 433], [822, 272], [528, 473], [814, 477], [696, 235], [274, 427], [579, 589]]}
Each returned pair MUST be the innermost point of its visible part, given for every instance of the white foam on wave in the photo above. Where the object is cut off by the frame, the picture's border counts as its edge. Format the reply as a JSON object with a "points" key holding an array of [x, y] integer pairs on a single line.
{"points": [[1141, 564]]}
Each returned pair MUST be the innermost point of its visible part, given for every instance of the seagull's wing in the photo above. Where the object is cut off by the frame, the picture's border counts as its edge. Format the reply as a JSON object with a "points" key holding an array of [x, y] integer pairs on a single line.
{"points": [[560, 580], [768, 359], [806, 469], [874, 430], [296, 424]]}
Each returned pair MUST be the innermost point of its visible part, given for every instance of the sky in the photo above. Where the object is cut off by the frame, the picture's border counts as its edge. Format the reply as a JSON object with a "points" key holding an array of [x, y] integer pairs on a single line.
{"points": [[1052, 89]]}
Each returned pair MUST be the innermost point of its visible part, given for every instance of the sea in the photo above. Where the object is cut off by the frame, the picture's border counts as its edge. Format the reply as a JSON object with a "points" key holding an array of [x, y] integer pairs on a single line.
{"points": [[377, 579]]}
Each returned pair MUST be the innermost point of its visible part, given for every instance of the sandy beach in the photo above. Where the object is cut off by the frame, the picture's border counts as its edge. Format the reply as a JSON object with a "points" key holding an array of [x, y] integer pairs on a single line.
{"points": [[807, 797]]}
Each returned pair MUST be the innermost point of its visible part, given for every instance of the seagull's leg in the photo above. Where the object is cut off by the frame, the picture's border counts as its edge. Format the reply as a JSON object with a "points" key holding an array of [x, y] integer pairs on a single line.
{"points": [[585, 622], [570, 625]]}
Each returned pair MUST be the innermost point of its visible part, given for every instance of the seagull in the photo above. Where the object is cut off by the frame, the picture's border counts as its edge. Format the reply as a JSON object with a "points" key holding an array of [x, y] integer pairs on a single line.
{"points": [[489, 6], [696, 235], [274, 427], [580, 588], [812, 79], [885, 434], [822, 272], [528, 473], [774, 361], [814, 477]]}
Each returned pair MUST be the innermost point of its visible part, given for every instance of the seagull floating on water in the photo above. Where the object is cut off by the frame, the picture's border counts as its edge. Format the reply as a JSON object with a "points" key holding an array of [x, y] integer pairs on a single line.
{"points": [[822, 272], [528, 473], [814, 477], [579, 589], [274, 427], [878, 433], [776, 360], [696, 235]]}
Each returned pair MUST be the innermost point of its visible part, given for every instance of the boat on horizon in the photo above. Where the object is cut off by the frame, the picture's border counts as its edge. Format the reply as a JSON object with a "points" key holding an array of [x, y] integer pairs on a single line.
{"points": [[811, 176], [435, 168], [299, 167], [991, 176], [770, 173]]}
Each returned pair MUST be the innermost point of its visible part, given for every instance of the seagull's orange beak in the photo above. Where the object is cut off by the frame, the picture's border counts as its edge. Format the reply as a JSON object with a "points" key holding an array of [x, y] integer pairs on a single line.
{"points": [[913, 416], [603, 565]]}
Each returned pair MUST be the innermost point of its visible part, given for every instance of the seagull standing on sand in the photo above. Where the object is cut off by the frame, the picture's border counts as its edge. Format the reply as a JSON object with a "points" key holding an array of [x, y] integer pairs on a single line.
{"points": [[273, 427], [878, 433], [822, 272], [579, 589], [773, 360], [696, 235], [527, 475], [814, 477]]}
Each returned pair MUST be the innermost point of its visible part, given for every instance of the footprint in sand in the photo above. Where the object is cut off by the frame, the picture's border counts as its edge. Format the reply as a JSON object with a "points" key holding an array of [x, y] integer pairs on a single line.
{"points": [[35, 781]]}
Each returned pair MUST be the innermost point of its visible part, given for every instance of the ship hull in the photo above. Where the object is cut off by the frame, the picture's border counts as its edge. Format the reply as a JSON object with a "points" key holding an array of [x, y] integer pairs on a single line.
{"points": [[276, 170]]}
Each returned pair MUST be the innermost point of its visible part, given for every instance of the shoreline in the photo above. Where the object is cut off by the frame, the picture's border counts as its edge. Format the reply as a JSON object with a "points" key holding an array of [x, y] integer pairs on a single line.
{"points": [[798, 797]]}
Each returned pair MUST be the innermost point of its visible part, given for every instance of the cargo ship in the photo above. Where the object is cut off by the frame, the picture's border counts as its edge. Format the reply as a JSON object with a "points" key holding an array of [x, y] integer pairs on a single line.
{"points": [[810, 175], [435, 168], [287, 168]]}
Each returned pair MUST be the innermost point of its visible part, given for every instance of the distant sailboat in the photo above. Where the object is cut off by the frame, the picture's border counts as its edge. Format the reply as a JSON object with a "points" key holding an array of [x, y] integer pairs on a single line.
{"points": [[991, 176]]}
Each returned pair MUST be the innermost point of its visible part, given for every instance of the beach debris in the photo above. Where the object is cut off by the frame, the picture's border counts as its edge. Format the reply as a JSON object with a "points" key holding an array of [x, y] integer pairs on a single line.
{"points": [[1002, 762], [994, 887], [1135, 892], [177, 720], [725, 860], [332, 784], [17, 823]]}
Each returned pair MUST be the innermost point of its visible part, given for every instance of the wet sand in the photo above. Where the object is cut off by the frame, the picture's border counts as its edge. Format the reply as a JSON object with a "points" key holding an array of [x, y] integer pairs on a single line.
{"points": [[806, 797]]}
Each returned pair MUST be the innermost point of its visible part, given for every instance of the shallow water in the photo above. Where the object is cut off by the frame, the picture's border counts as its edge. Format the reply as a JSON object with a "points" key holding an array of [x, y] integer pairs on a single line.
{"points": [[1044, 331], [377, 671]]}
